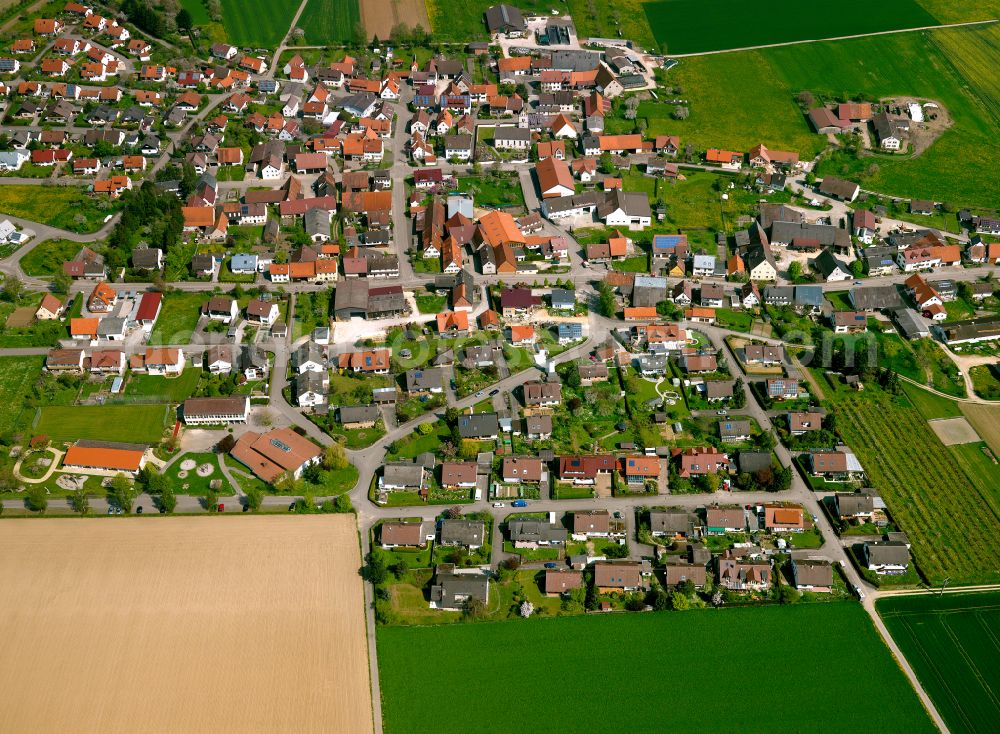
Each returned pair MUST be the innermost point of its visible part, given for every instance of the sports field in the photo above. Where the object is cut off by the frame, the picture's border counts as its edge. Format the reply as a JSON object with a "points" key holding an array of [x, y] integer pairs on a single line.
{"points": [[952, 644], [737, 100], [124, 423], [183, 624], [333, 21], [634, 672], [17, 375], [694, 26], [257, 23]]}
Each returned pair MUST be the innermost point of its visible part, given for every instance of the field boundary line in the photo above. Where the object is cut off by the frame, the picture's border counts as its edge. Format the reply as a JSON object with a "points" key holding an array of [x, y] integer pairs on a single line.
{"points": [[834, 38]]}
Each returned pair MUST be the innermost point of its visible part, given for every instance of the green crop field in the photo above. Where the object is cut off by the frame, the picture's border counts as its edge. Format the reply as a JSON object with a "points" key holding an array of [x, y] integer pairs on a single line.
{"points": [[939, 496], [125, 423], [694, 26], [331, 21], [17, 374], [260, 23], [951, 643], [737, 100], [633, 690]]}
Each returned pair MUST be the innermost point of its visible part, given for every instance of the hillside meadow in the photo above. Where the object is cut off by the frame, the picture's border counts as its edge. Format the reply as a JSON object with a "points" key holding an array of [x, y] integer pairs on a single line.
{"points": [[740, 99], [634, 672], [694, 26]]}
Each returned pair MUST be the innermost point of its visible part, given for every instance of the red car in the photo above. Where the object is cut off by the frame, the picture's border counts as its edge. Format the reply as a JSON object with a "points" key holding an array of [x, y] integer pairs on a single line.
{"points": [[221, 508]]}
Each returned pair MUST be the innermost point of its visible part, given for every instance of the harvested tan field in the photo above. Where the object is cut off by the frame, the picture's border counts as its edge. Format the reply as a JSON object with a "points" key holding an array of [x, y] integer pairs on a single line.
{"points": [[954, 431], [183, 624], [986, 420], [379, 16]]}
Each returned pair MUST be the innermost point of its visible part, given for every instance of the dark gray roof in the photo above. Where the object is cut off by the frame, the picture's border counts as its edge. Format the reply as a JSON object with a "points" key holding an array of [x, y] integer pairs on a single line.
{"points": [[478, 425], [535, 531], [359, 413], [463, 532]]}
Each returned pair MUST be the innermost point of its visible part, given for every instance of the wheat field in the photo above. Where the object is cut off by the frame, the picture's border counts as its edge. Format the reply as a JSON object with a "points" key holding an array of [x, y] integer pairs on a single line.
{"points": [[183, 624]]}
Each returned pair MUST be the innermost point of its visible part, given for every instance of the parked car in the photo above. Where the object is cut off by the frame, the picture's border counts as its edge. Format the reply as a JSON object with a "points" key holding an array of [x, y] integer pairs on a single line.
{"points": [[220, 508], [138, 510], [498, 504], [550, 564], [494, 392], [519, 503]]}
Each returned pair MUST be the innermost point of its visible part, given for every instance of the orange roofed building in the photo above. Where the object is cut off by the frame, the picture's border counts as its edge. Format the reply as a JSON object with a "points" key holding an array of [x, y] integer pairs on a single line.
{"points": [[103, 456], [276, 453]]}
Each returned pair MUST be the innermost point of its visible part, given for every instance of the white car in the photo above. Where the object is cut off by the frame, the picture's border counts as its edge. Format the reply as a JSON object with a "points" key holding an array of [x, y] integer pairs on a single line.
{"points": [[722, 412], [498, 504]]}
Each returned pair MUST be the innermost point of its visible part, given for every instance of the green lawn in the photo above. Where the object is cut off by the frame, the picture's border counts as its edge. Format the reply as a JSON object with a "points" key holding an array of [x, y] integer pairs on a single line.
{"points": [[66, 207], [46, 259], [17, 374], [856, 667], [950, 641], [431, 303], [727, 318], [198, 10], [493, 190], [931, 406], [169, 390], [125, 423], [691, 26], [193, 484], [985, 381], [331, 21], [178, 318], [258, 22]]}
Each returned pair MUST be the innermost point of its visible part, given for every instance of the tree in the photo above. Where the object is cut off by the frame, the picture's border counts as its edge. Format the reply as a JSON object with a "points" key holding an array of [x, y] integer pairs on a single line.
{"points": [[659, 600], [526, 609], [607, 303], [474, 609], [794, 270], [605, 164], [123, 492], [168, 500], [377, 570], [211, 501], [37, 498], [857, 268], [709, 482], [184, 20], [739, 398], [788, 595], [80, 502], [573, 375], [681, 112], [61, 283], [255, 497], [679, 601], [400, 568], [13, 288]]}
